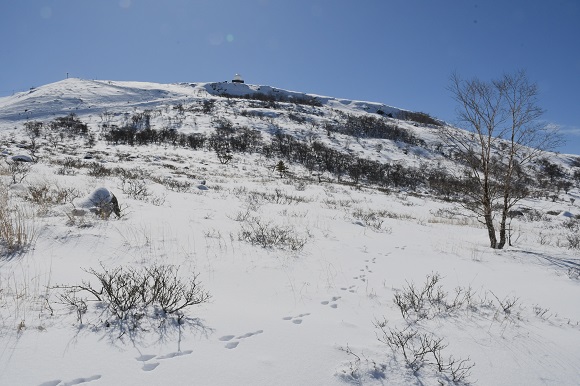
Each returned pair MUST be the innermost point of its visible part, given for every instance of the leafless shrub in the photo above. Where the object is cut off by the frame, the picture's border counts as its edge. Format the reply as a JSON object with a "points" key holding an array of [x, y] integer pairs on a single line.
{"points": [[535, 215], [69, 166], [361, 365], [157, 200], [544, 238], [374, 219], [430, 300], [97, 169], [573, 240], [541, 312], [242, 215], [420, 349], [169, 292], [24, 300], [278, 197], [176, 185], [369, 219], [70, 299], [45, 195], [573, 237], [17, 230], [507, 305], [300, 186], [449, 216], [131, 294], [353, 374], [18, 170], [416, 302], [574, 273], [134, 186], [572, 224], [337, 203], [268, 235]]}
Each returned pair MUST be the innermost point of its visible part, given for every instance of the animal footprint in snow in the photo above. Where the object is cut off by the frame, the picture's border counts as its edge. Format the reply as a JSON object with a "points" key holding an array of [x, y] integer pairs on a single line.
{"points": [[360, 277], [296, 319], [150, 366], [147, 366], [231, 345], [153, 365], [74, 382], [235, 343], [145, 358], [248, 334], [175, 354], [331, 302], [350, 289]]}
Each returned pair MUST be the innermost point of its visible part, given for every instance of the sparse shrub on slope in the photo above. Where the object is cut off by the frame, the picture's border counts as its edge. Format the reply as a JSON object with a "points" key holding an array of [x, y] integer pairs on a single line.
{"points": [[17, 170], [424, 353], [271, 99], [418, 117], [256, 231], [131, 296], [17, 231], [47, 195], [368, 126], [425, 350], [70, 125], [573, 235]]}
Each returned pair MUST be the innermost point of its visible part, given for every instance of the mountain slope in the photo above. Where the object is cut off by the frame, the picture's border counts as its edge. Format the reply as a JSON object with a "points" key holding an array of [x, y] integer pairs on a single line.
{"points": [[310, 273]]}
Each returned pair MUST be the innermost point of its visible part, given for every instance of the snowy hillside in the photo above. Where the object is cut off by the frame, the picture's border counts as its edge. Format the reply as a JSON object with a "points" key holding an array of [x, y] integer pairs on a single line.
{"points": [[95, 96], [295, 262]]}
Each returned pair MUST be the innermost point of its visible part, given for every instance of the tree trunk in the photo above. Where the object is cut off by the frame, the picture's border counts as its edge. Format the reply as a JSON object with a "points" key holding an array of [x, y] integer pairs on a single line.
{"points": [[502, 232], [502, 224], [491, 231], [488, 217]]}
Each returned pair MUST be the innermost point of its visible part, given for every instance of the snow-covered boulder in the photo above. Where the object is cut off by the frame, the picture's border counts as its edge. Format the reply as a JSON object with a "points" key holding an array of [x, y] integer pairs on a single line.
{"points": [[101, 201]]}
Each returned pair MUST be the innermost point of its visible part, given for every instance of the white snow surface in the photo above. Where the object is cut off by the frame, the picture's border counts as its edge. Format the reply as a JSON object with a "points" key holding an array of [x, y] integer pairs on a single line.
{"points": [[276, 316]]}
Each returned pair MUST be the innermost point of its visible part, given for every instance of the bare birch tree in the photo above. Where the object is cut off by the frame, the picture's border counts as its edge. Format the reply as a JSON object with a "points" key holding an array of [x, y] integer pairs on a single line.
{"points": [[504, 137]]}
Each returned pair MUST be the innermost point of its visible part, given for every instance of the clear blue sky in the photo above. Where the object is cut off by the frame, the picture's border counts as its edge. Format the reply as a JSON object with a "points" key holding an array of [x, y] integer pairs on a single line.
{"points": [[399, 52]]}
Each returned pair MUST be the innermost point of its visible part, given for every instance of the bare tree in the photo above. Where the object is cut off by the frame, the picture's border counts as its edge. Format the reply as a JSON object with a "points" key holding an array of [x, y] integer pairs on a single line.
{"points": [[33, 130], [504, 136]]}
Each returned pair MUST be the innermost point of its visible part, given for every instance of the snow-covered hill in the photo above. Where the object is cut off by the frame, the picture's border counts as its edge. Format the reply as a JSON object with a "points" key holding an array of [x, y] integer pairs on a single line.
{"points": [[315, 278], [95, 96]]}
